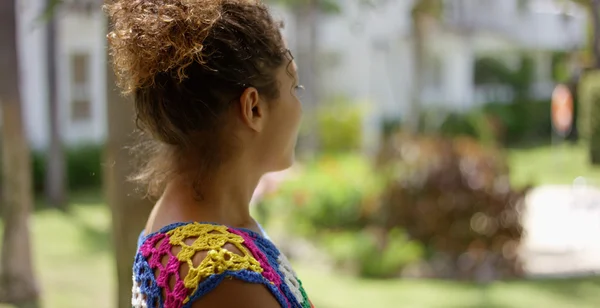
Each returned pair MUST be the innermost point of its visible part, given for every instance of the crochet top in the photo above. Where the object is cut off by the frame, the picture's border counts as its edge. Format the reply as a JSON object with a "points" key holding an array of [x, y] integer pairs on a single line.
{"points": [[157, 282]]}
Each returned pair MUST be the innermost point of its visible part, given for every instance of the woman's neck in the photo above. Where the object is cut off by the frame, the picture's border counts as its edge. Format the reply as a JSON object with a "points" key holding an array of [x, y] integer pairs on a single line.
{"points": [[223, 199]]}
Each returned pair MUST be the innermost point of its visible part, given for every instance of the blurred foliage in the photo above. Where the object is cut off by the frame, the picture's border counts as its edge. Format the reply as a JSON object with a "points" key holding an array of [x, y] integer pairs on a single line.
{"points": [[333, 193], [446, 200], [84, 168], [493, 71], [453, 196], [50, 10], [589, 112], [334, 201], [340, 124], [477, 124], [522, 121], [560, 67], [372, 258], [390, 125], [508, 124], [432, 8]]}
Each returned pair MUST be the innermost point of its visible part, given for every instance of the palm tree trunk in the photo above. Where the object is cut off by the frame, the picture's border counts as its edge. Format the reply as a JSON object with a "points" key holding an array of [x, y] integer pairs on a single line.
{"points": [[55, 160], [594, 103], [412, 119], [129, 210], [18, 284], [595, 14]]}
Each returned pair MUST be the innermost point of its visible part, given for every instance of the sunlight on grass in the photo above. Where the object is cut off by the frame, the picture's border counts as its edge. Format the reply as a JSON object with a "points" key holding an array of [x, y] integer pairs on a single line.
{"points": [[338, 291], [551, 165], [73, 258]]}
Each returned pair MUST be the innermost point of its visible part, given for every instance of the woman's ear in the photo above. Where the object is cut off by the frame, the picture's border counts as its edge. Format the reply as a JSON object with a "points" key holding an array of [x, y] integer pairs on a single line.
{"points": [[252, 110]]}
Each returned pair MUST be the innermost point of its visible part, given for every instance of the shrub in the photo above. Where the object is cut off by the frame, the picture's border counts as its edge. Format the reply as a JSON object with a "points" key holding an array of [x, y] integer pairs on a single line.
{"points": [[340, 126], [333, 193], [589, 112], [523, 121], [371, 252], [454, 197], [334, 201], [494, 71], [477, 124], [509, 124], [84, 168]]}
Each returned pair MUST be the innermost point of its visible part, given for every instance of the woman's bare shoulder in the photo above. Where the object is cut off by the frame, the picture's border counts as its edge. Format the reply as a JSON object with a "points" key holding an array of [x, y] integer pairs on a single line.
{"points": [[233, 293]]}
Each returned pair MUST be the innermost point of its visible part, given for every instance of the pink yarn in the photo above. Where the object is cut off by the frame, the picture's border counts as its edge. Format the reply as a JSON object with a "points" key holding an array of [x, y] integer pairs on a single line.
{"points": [[268, 271], [173, 298]]}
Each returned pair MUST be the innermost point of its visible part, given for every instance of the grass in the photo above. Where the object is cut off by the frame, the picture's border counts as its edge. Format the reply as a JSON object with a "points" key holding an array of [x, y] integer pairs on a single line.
{"points": [[74, 262], [73, 257], [335, 291], [547, 165]]}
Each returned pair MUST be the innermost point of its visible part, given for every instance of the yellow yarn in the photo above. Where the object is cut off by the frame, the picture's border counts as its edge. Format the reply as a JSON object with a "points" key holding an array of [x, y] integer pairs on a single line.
{"points": [[210, 238]]}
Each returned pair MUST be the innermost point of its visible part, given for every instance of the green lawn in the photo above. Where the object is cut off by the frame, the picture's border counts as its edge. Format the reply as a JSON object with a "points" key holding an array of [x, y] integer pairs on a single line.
{"points": [[551, 165], [334, 291], [73, 257]]}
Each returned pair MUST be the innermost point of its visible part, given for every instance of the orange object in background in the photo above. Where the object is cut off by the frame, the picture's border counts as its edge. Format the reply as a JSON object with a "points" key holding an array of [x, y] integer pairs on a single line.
{"points": [[562, 110]]}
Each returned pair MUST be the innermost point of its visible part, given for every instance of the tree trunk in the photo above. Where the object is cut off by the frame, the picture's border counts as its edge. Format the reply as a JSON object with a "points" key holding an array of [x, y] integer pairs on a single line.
{"points": [[129, 210], [18, 284], [55, 185], [413, 117], [594, 125], [306, 57], [596, 31]]}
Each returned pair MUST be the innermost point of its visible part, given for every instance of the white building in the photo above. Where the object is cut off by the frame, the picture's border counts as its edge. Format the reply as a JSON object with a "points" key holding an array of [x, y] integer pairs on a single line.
{"points": [[81, 65], [366, 55]]}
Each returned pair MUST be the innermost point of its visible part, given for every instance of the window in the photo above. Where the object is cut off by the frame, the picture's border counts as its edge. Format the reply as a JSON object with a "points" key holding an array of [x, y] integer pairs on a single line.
{"points": [[80, 87]]}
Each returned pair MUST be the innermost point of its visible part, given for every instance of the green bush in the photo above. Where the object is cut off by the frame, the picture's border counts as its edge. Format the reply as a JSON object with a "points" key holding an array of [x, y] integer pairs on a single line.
{"points": [[340, 126], [371, 253], [509, 124], [560, 67], [523, 121], [476, 124], [335, 202], [84, 168], [331, 193], [493, 71]]}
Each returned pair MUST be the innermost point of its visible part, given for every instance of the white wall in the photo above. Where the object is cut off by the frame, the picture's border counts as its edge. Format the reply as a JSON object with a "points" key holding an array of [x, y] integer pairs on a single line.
{"points": [[540, 24], [459, 72], [83, 33], [31, 38], [371, 54]]}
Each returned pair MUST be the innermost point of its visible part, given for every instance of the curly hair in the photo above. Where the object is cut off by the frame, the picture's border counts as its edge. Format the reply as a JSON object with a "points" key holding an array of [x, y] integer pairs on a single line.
{"points": [[184, 62]]}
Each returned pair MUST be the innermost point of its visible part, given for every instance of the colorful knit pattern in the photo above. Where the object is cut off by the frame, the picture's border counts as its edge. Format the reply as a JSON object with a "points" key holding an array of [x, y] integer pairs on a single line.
{"points": [[158, 280]]}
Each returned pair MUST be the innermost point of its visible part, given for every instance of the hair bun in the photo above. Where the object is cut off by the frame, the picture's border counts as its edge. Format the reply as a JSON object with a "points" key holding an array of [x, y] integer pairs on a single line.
{"points": [[153, 36]]}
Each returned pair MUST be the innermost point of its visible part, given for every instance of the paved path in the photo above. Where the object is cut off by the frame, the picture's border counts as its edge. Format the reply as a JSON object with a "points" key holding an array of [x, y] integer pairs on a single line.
{"points": [[562, 225]]}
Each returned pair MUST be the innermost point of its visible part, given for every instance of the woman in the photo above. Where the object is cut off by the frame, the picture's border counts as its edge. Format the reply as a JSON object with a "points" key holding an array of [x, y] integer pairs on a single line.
{"points": [[214, 88]]}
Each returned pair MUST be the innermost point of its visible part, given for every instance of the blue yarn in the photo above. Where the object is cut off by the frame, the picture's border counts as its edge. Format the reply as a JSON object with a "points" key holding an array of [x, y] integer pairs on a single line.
{"points": [[272, 253], [244, 275], [148, 285]]}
